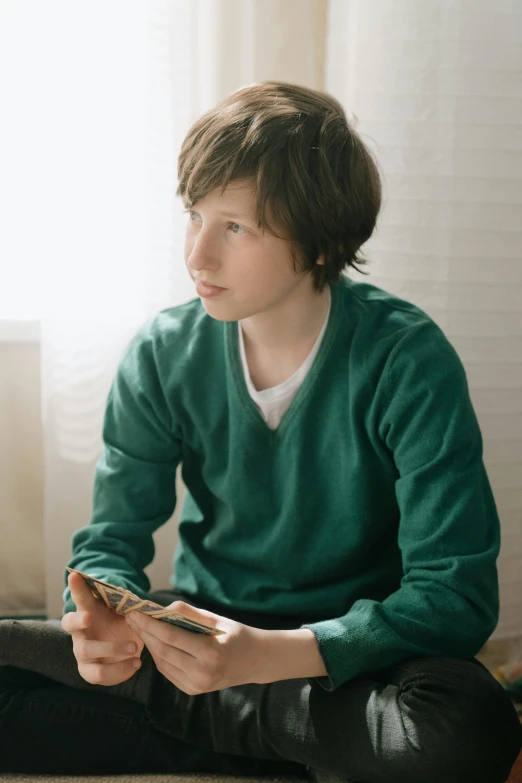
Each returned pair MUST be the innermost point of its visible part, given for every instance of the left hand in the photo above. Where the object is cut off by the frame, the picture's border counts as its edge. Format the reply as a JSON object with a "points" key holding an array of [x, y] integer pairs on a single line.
{"points": [[199, 663]]}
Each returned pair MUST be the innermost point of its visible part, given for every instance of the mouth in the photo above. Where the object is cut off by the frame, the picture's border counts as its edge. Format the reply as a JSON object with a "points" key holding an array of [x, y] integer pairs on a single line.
{"points": [[210, 285], [205, 289]]}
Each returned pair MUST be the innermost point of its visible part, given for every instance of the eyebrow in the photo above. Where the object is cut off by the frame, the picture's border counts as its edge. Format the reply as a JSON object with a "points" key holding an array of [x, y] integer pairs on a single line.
{"points": [[241, 215]]}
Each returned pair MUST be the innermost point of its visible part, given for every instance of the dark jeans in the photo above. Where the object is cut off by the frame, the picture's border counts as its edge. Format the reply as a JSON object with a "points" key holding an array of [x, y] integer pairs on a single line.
{"points": [[423, 719]]}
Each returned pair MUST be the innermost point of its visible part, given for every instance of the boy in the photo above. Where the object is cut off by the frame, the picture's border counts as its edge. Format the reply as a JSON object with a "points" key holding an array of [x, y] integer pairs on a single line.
{"points": [[339, 524]]}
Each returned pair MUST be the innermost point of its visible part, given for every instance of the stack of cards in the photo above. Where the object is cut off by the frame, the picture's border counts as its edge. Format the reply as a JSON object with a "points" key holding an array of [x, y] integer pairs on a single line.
{"points": [[123, 601]]}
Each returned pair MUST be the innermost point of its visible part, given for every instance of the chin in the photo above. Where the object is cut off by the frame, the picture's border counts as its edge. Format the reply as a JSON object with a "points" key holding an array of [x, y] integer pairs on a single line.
{"points": [[216, 312]]}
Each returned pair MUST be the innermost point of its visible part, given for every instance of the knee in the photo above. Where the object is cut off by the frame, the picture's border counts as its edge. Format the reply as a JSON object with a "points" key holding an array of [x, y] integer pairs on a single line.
{"points": [[460, 724]]}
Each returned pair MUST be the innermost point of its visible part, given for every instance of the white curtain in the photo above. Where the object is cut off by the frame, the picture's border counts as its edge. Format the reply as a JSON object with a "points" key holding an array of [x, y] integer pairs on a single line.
{"points": [[134, 75], [435, 87]]}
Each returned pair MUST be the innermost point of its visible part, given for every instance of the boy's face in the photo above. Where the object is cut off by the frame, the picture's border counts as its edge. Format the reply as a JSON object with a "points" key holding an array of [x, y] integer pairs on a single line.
{"points": [[231, 251]]}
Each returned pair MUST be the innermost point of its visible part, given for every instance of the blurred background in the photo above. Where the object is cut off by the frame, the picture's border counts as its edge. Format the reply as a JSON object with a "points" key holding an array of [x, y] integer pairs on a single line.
{"points": [[96, 97]]}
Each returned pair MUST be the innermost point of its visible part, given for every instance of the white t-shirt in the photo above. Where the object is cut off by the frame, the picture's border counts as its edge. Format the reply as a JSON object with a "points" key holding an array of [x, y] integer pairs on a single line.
{"points": [[275, 401]]}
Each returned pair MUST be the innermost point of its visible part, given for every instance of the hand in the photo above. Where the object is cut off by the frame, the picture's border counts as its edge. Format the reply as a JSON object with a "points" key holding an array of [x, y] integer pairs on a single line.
{"points": [[199, 663], [105, 646]]}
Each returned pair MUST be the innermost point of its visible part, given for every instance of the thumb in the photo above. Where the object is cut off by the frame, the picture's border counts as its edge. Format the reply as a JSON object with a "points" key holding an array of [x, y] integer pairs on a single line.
{"points": [[81, 593], [197, 615]]}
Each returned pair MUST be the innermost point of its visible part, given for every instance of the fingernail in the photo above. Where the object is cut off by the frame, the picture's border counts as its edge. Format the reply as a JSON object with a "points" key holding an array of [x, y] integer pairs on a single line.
{"points": [[137, 663], [131, 647]]}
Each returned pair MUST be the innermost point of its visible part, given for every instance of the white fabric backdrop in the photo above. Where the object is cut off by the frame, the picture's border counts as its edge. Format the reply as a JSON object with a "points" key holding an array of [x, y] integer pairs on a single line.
{"points": [[436, 89], [159, 65]]}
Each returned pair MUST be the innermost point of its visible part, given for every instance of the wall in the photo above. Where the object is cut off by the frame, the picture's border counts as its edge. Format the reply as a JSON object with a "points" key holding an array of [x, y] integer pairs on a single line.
{"points": [[21, 478], [22, 578]]}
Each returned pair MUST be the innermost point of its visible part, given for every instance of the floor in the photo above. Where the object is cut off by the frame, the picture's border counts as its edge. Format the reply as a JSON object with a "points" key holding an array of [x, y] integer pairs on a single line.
{"points": [[496, 653]]}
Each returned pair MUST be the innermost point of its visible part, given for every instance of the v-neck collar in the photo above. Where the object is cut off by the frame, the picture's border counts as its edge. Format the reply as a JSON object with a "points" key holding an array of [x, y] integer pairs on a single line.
{"points": [[234, 359]]}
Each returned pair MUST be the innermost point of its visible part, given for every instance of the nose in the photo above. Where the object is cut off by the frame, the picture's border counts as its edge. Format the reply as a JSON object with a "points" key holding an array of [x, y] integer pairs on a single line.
{"points": [[202, 253]]}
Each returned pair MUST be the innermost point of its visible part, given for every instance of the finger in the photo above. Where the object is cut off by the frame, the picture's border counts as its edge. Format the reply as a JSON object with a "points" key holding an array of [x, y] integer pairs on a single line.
{"points": [[74, 622], [194, 613], [176, 677], [109, 673], [167, 651], [180, 638], [90, 651], [81, 594]]}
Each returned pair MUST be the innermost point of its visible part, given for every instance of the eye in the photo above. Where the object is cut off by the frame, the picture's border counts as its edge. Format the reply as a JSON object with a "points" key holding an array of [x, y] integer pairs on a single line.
{"points": [[241, 227], [191, 212]]}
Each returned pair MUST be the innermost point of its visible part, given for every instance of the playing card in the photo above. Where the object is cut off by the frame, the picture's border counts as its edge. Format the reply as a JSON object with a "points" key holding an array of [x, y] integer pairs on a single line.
{"points": [[124, 601]]}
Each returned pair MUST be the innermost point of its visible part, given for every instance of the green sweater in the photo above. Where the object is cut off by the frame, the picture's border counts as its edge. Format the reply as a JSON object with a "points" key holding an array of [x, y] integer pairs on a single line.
{"points": [[368, 509]]}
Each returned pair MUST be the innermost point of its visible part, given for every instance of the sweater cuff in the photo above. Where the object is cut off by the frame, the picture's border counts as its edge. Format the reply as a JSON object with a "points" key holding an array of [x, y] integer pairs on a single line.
{"points": [[325, 682]]}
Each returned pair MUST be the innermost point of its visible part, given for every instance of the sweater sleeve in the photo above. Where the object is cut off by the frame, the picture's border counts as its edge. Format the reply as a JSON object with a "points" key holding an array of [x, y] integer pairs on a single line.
{"points": [[449, 531], [134, 483]]}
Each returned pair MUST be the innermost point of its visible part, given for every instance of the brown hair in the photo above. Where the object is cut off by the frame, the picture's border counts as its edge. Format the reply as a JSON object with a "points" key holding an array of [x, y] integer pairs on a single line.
{"points": [[310, 169]]}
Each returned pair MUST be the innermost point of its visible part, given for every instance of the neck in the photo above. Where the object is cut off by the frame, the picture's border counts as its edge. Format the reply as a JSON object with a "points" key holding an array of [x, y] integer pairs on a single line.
{"points": [[289, 324]]}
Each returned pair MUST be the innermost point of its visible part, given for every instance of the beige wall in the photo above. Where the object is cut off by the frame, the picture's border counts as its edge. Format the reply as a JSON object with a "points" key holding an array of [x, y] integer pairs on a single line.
{"points": [[21, 478], [22, 542]]}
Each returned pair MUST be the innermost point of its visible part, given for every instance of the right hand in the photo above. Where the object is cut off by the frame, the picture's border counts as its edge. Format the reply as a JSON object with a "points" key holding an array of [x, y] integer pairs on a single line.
{"points": [[100, 638]]}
